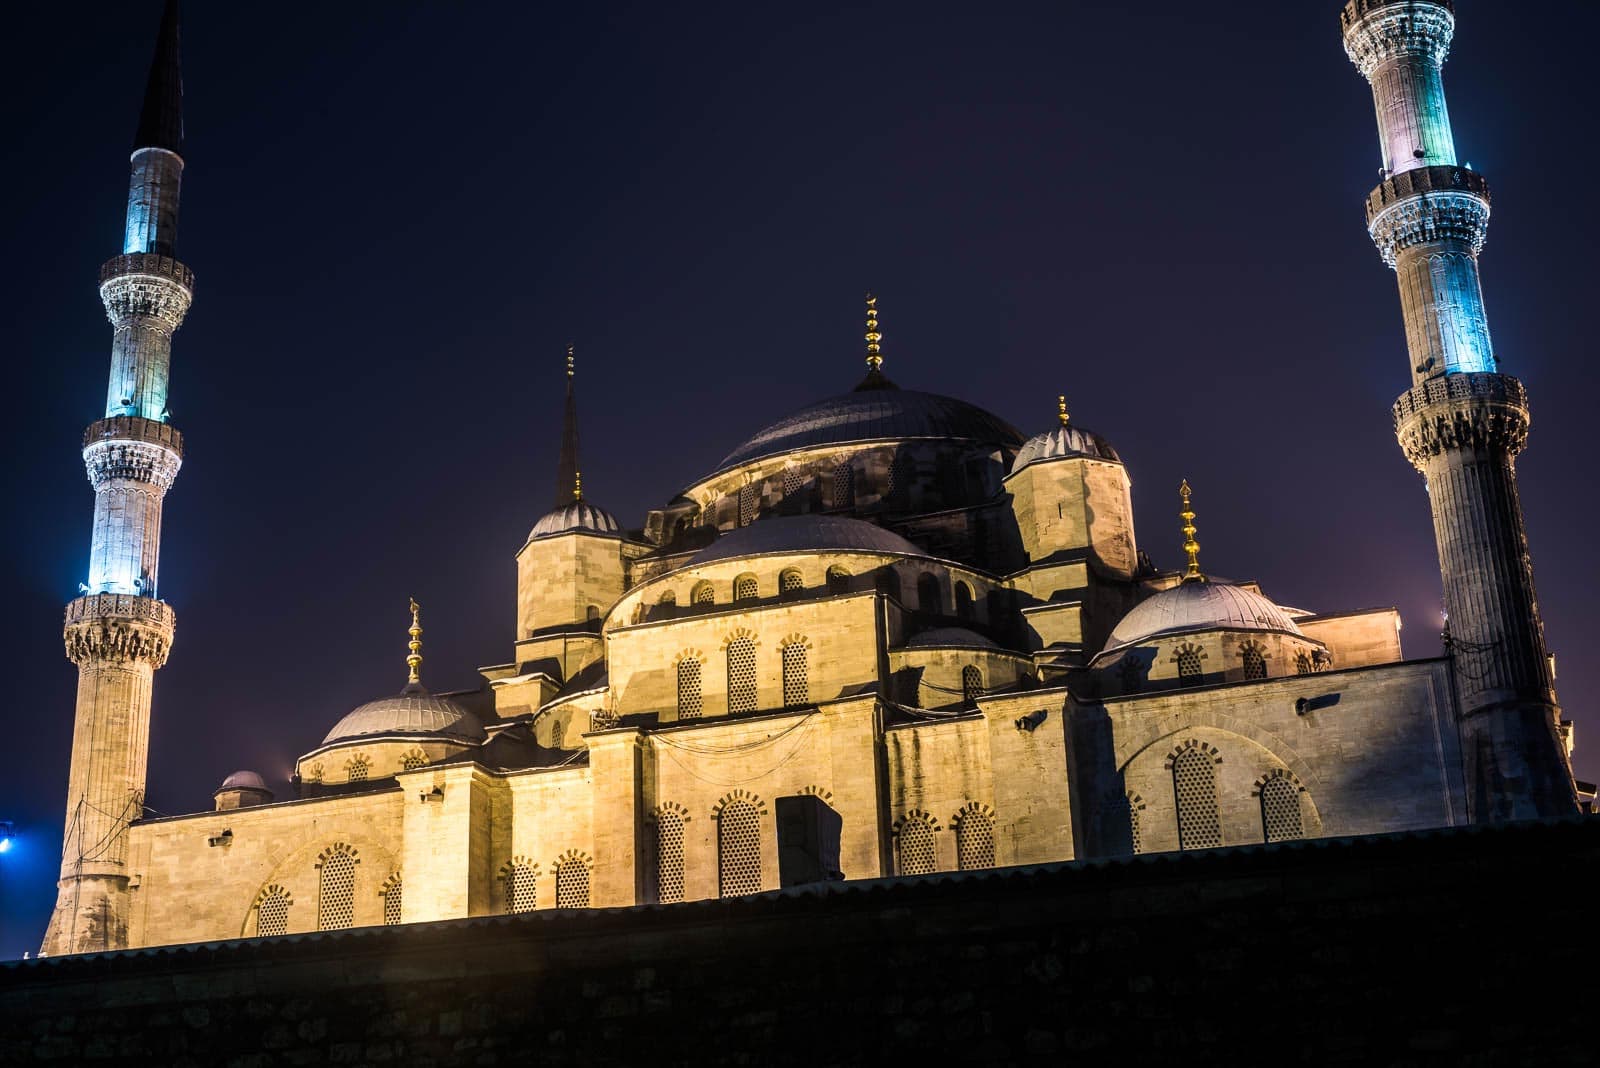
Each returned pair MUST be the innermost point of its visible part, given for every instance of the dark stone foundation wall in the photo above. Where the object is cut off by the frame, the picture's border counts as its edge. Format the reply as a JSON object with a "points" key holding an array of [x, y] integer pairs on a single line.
{"points": [[1457, 947]]}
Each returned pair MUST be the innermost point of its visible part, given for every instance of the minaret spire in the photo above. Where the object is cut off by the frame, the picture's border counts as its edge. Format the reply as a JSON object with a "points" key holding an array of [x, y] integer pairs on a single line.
{"points": [[414, 657], [875, 377], [161, 120], [1462, 423], [568, 488], [1191, 547]]}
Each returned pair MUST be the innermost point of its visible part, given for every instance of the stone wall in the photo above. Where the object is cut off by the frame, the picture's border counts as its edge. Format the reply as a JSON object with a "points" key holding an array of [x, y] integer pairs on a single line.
{"points": [[1462, 946]]}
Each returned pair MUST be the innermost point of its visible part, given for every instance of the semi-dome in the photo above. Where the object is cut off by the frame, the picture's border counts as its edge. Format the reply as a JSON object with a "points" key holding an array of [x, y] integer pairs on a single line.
{"points": [[946, 636], [1199, 605], [412, 711], [243, 780], [578, 515], [875, 415], [805, 533], [1063, 441]]}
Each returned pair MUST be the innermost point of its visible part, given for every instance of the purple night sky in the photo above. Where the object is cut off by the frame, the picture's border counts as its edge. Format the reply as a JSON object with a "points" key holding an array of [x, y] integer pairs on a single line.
{"points": [[400, 214]]}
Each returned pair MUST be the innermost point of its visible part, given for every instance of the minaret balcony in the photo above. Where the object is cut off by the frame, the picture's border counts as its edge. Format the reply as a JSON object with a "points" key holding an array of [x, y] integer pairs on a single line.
{"points": [[150, 264], [1427, 205], [118, 628], [1478, 410]]}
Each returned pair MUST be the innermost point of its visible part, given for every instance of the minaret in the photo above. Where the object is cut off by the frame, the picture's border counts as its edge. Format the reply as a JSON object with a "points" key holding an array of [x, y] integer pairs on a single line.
{"points": [[118, 633], [1461, 423]]}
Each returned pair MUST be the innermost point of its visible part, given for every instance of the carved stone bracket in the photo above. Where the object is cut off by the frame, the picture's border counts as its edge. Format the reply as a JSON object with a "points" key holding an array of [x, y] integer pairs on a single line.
{"points": [[1426, 205], [118, 628], [1379, 30], [132, 447], [148, 287], [1462, 411]]}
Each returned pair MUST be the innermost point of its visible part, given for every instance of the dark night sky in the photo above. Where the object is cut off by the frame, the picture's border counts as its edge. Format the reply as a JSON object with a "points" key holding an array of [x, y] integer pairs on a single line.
{"points": [[400, 213]]}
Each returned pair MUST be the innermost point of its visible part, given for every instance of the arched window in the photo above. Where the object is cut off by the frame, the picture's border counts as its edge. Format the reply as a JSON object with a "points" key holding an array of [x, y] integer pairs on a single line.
{"points": [[741, 675], [887, 583], [669, 856], [739, 850], [971, 685], [744, 588], [1194, 785], [789, 581], [572, 883], [1280, 810], [391, 900], [914, 847], [838, 580], [688, 688], [704, 594], [844, 485], [558, 734], [413, 760], [749, 503], [357, 769], [1189, 671], [1302, 664], [793, 483], [336, 891], [272, 912], [929, 596], [1255, 662], [974, 840], [521, 887], [1121, 831], [591, 613], [796, 687], [963, 601], [669, 599]]}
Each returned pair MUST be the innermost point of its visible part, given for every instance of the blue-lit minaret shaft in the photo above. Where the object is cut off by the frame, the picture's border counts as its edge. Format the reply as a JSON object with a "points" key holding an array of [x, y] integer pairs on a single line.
{"points": [[1461, 424], [118, 633]]}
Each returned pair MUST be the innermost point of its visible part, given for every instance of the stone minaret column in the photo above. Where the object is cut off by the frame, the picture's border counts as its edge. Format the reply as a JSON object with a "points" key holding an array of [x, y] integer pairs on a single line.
{"points": [[1462, 423], [118, 633]]}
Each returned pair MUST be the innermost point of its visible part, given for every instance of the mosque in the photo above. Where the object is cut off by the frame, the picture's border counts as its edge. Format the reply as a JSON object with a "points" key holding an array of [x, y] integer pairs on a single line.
{"points": [[888, 635]]}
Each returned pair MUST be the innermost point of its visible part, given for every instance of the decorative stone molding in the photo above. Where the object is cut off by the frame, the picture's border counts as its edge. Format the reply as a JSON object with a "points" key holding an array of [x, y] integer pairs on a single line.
{"points": [[1376, 31], [668, 810], [1277, 773], [916, 815], [146, 287], [150, 264], [142, 456], [118, 628], [1192, 743], [1463, 411], [1427, 205], [735, 797], [134, 428], [335, 849]]}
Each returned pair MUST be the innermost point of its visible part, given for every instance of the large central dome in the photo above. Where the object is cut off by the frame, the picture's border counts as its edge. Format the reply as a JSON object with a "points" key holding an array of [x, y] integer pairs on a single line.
{"points": [[875, 415]]}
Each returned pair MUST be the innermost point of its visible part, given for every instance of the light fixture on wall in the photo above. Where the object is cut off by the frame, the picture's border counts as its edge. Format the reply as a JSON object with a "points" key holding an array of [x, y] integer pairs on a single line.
{"points": [[225, 838]]}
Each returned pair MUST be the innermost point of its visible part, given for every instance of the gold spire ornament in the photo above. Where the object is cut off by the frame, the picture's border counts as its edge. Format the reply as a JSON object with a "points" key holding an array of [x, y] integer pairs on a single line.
{"points": [[1190, 546], [577, 485], [874, 351], [1061, 409], [414, 661], [569, 360]]}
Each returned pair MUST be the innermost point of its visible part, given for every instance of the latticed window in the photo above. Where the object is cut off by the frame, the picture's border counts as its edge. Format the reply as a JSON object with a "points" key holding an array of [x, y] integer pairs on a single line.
{"points": [[793, 482], [1280, 811], [789, 581], [392, 902], [689, 688], [975, 841], [741, 675], [749, 502], [963, 601], [899, 488], [1135, 831], [668, 599], [928, 597], [572, 884], [796, 687], [336, 893], [1255, 663], [558, 734], [669, 857], [272, 914], [838, 580], [413, 760], [1189, 664], [1302, 664], [704, 594], [358, 769], [1194, 784], [915, 847], [971, 684], [844, 485], [739, 850], [521, 887], [1119, 824], [744, 588]]}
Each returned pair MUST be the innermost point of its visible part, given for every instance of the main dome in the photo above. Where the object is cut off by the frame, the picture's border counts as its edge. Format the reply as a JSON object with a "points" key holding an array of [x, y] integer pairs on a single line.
{"points": [[805, 533], [1191, 606], [412, 711], [875, 415]]}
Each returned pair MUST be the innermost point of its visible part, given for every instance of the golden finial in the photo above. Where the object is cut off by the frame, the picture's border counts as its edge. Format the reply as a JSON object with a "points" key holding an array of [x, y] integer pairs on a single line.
{"points": [[577, 485], [569, 361], [874, 355], [414, 661], [1061, 409], [1190, 546]]}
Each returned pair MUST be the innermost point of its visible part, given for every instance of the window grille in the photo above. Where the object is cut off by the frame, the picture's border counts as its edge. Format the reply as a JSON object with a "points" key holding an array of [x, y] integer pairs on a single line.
{"points": [[272, 915], [790, 581], [521, 885], [742, 675], [739, 850], [971, 684], [1189, 664], [391, 902], [1302, 664], [915, 846], [963, 601], [796, 688], [975, 840], [1194, 783], [689, 688], [315, 774], [838, 580], [572, 884], [1255, 663], [900, 476], [336, 893], [1280, 811], [745, 589], [928, 594], [358, 769], [705, 594], [558, 734], [793, 482], [669, 857], [844, 486], [413, 760], [749, 501]]}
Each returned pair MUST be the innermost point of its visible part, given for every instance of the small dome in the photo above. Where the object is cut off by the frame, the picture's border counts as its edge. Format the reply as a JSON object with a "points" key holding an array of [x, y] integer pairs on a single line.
{"points": [[939, 636], [412, 711], [1192, 606], [579, 515], [1062, 441], [244, 780], [805, 533]]}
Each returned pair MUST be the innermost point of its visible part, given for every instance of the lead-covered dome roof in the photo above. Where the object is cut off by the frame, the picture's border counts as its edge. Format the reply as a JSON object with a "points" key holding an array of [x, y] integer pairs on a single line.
{"points": [[805, 533], [412, 711], [243, 780], [578, 515], [1063, 441], [1195, 606], [879, 414]]}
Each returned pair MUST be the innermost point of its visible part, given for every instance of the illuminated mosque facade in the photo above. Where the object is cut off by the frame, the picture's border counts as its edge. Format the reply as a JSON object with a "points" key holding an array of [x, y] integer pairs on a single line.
{"points": [[889, 635]]}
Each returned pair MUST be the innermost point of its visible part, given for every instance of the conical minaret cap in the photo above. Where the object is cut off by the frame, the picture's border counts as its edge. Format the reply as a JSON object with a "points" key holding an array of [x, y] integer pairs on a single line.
{"points": [[161, 120]]}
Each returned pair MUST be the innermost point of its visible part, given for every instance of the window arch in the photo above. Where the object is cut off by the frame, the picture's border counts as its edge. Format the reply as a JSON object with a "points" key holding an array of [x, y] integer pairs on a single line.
{"points": [[916, 849], [844, 485], [558, 734], [739, 849], [689, 705], [572, 881], [392, 900], [930, 597], [522, 884], [1255, 661], [336, 889], [838, 580], [591, 613], [964, 609], [974, 838], [749, 503], [704, 593], [789, 581], [741, 675], [1190, 670], [1280, 810], [796, 685], [1302, 664], [1194, 787], [669, 821], [971, 685], [1121, 824], [668, 599], [745, 588], [357, 768], [413, 760], [272, 912]]}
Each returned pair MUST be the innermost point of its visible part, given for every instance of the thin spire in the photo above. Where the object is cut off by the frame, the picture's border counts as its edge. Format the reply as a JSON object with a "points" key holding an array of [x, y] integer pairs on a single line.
{"points": [[414, 660], [1190, 546], [875, 378], [1061, 409], [568, 487], [161, 120]]}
